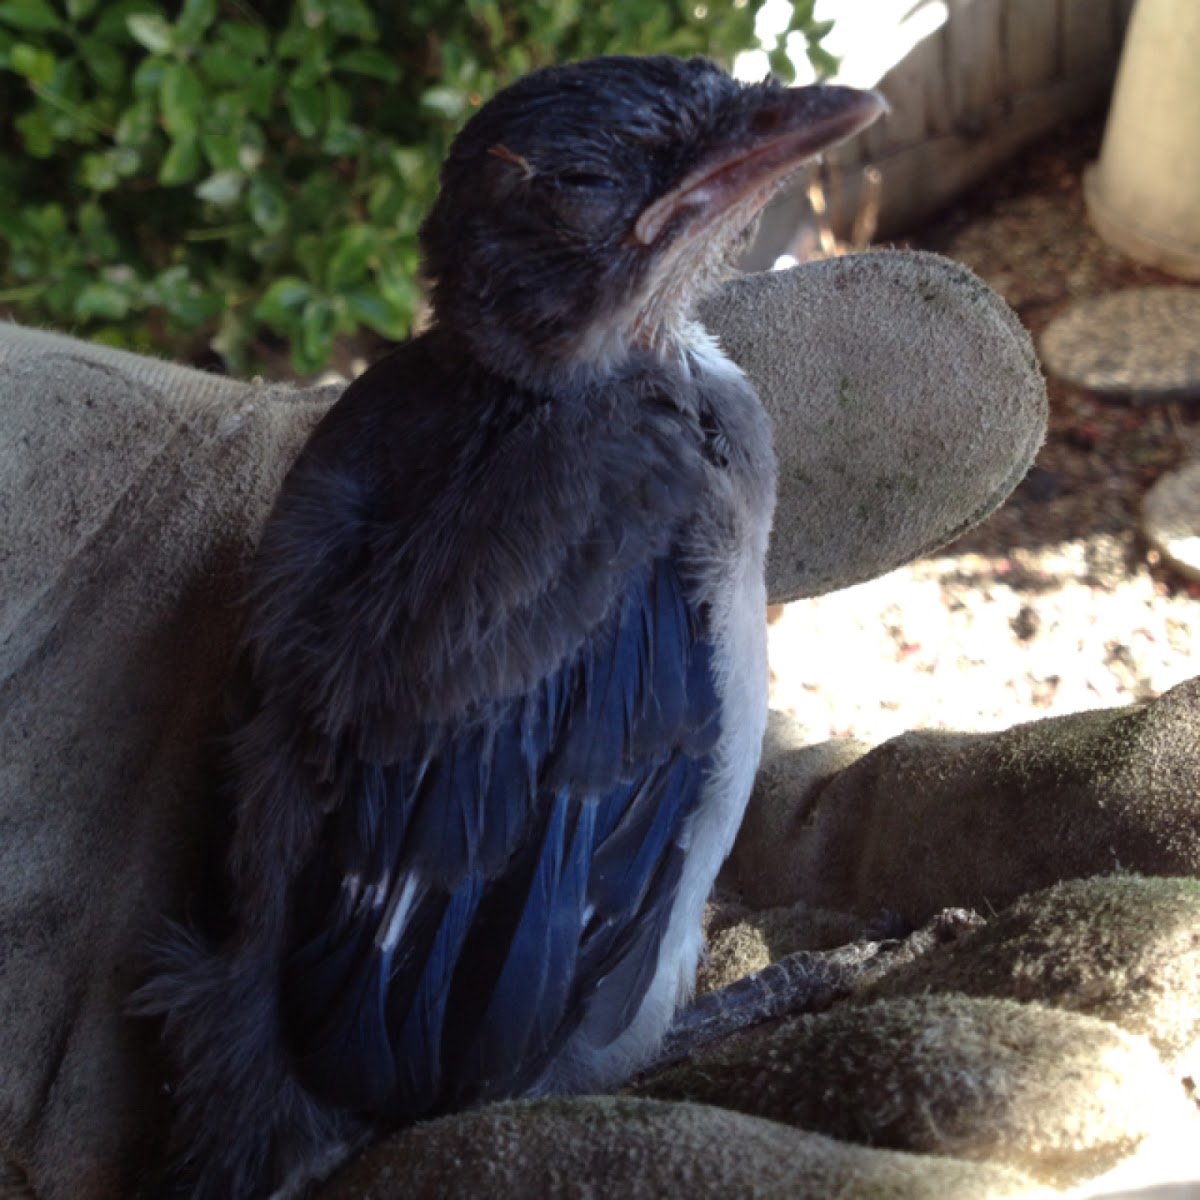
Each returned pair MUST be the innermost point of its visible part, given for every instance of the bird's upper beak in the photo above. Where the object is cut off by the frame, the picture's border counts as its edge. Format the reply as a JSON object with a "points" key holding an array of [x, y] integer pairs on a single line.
{"points": [[792, 125]]}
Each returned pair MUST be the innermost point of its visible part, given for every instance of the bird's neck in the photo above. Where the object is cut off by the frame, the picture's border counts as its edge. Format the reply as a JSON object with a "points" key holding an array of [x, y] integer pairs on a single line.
{"points": [[611, 352]]}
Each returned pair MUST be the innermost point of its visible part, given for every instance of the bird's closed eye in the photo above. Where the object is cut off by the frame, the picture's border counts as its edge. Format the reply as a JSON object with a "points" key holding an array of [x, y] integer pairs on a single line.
{"points": [[586, 179]]}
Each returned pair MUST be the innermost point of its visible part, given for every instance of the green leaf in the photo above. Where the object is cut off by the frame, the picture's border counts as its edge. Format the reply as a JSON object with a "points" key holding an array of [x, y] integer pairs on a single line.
{"points": [[104, 63], [221, 188], [387, 317], [267, 204], [781, 65], [318, 324], [338, 101], [152, 31], [36, 132], [181, 98], [31, 16], [64, 289], [97, 238], [352, 253], [386, 200], [221, 149], [128, 160], [248, 41], [194, 19], [270, 251], [319, 195], [102, 300], [301, 40], [366, 60], [23, 265], [34, 64], [136, 124], [306, 107], [411, 163], [194, 307], [183, 297], [47, 221], [91, 220], [282, 302], [181, 163], [823, 63], [351, 18], [98, 172], [224, 67], [260, 90], [310, 249], [78, 10], [112, 19], [225, 111], [342, 136], [309, 71], [342, 139], [147, 79]]}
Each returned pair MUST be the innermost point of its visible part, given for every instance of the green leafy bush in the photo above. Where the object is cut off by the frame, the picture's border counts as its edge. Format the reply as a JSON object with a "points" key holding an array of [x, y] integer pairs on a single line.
{"points": [[177, 174]]}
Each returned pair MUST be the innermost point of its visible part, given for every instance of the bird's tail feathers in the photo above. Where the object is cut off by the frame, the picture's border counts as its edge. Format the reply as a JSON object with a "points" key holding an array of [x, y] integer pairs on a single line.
{"points": [[243, 1126]]}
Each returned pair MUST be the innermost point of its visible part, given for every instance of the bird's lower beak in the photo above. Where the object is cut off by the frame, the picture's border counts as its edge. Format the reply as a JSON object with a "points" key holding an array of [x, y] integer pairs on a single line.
{"points": [[791, 126]]}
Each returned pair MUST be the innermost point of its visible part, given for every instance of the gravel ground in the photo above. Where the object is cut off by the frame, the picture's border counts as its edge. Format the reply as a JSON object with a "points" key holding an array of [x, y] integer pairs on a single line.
{"points": [[1054, 604]]}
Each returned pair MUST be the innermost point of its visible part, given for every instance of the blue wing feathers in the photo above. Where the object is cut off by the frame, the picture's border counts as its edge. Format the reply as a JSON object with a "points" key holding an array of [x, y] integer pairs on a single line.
{"points": [[529, 998], [416, 1050], [635, 872], [338, 1015], [547, 835], [447, 821], [507, 793], [628, 956], [625, 860]]}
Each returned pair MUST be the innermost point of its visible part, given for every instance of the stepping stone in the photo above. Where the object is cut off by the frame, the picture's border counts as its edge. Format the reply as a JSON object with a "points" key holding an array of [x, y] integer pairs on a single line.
{"points": [[1171, 518], [1142, 343]]}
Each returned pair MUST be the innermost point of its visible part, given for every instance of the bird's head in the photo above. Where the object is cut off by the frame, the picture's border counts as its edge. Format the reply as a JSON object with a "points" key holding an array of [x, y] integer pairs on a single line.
{"points": [[585, 208]]}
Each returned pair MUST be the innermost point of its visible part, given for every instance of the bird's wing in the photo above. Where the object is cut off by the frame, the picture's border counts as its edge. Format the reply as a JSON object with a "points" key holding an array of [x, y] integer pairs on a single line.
{"points": [[475, 900], [482, 705]]}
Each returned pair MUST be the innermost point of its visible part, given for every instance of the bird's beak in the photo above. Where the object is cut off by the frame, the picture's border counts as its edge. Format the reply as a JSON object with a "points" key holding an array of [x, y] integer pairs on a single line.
{"points": [[791, 126]]}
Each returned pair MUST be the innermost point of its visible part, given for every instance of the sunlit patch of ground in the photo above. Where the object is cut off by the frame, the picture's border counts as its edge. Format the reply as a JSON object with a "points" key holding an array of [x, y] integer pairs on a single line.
{"points": [[975, 643]]}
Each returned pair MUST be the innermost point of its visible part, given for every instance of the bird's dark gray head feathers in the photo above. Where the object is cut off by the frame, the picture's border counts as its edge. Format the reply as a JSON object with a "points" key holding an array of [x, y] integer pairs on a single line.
{"points": [[584, 207]]}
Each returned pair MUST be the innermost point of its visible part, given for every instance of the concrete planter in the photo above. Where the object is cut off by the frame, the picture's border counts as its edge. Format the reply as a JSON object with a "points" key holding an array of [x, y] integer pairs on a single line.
{"points": [[1144, 193]]}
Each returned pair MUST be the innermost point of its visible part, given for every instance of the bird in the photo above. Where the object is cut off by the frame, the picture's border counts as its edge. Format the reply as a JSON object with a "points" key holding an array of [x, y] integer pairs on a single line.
{"points": [[503, 680]]}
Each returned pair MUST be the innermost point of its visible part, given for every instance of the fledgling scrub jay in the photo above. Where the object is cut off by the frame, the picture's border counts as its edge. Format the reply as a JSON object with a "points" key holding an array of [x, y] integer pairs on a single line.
{"points": [[505, 646]]}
